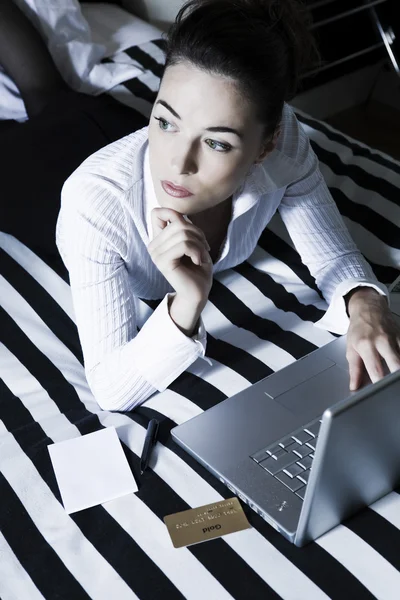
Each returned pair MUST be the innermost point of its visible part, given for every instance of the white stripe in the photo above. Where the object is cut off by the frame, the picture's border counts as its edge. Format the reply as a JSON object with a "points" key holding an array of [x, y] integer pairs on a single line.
{"points": [[346, 154], [275, 569], [374, 572], [363, 197], [155, 52], [15, 583], [263, 307], [174, 406], [150, 80], [372, 247], [389, 508], [34, 397], [125, 59], [58, 529], [221, 328], [56, 287], [310, 131], [48, 343], [193, 580], [225, 379], [283, 275]]}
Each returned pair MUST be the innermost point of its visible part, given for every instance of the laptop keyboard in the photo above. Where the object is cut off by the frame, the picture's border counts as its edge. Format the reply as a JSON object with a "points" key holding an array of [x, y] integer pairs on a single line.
{"points": [[290, 460]]}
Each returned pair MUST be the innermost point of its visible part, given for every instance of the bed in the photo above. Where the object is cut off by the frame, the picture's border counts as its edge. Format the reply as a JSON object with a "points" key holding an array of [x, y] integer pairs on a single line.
{"points": [[259, 318]]}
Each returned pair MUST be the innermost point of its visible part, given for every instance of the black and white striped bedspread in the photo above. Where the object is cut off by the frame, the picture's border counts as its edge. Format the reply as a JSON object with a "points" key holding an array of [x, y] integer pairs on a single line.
{"points": [[259, 318]]}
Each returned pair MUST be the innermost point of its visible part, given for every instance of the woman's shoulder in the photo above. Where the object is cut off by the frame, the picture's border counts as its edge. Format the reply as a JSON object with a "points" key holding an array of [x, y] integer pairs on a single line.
{"points": [[293, 141], [291, 159], [119, 164]]}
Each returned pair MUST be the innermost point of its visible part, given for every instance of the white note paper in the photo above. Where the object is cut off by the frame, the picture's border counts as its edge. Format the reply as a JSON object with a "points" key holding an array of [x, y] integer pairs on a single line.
{"points": [[91, 469]]}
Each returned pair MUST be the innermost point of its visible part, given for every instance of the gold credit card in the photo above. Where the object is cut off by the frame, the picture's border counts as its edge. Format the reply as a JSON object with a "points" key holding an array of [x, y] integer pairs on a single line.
{"points": [[206, 522]]}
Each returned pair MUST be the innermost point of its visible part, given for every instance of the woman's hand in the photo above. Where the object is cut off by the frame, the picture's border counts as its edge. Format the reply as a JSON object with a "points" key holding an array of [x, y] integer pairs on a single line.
{"points": [[373, 335], [181, 252]]}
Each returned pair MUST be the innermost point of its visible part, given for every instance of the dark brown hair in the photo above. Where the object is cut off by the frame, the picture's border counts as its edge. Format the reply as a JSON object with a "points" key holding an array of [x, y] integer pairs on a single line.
{"points": [[264, 45]]}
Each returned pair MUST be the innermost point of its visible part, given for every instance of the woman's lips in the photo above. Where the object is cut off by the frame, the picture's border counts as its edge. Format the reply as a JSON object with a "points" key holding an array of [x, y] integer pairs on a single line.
{"points": [[172, 190]]}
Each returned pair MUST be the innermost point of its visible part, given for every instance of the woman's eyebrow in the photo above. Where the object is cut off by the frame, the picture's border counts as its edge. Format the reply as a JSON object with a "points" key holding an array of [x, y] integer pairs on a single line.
{"points": [[220, 129], [169, 108], [226, 130]]}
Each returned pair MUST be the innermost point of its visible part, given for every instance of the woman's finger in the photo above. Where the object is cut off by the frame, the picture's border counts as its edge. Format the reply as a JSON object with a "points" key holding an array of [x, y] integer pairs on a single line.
{"points": [[160, 217], [169, 259], [162, 228], [356, 368], [181, 236], [390, 353], [371, 359]]}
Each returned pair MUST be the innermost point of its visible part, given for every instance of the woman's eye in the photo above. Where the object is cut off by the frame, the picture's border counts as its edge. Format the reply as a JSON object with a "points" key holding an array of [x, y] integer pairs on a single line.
{"points": [[162, 123], [218, 146]]}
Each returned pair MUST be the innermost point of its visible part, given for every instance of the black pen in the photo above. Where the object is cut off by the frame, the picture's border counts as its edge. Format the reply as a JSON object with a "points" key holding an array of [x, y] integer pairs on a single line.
{"points": [[150, 440]]}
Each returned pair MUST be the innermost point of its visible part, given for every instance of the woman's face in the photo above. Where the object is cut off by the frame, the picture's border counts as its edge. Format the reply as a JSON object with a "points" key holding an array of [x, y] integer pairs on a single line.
{"points": [[203, 136]]}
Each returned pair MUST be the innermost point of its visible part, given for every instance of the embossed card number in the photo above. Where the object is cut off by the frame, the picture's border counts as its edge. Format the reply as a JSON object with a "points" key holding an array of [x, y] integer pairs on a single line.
{"points": [[206, 522]]}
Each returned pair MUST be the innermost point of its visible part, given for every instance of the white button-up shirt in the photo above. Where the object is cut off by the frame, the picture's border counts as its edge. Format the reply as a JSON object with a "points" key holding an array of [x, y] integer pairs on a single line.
{"points": [[103, 231]]}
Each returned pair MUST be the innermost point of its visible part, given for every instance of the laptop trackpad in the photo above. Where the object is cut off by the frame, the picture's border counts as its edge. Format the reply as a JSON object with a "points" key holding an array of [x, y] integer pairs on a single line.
{"points": [[310, 398]]}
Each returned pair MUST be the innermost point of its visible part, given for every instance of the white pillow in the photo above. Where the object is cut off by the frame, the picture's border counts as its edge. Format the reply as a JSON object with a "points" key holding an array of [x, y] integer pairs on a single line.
{"points": [[68, 37], [117, 29], [78, 38]]}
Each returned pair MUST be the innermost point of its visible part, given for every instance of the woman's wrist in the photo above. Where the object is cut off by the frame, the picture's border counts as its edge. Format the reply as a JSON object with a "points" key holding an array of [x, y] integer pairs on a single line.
{"points": [[185, 314], [358, 296]]}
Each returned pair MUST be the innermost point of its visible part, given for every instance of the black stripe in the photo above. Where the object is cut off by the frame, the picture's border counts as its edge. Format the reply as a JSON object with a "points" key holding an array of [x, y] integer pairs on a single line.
{"points": [[233, 357], [160, 43], [357, 149], [315, 562], [363, 215], [128, 559], [359, 176], [140, 90], [31, 437], [241, 316], [220, 560], [17, 418], [237, 359], [40, 561], [42, 303], [276, 292], [165, 438], [376, 531], [145, 60], [51, 379], [278, 248], [192, 387], [383, 273]]}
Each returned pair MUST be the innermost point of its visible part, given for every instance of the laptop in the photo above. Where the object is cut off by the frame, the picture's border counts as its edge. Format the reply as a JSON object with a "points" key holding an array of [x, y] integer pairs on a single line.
{"points": [[298, 447]]}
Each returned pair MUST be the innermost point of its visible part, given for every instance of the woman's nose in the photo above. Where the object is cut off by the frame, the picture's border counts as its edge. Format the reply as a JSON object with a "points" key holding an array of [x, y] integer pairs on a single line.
{"points": [[184, 162]]}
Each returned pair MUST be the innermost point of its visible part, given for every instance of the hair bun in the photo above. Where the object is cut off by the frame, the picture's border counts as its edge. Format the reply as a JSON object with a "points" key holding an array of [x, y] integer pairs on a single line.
{"points": [[265, 45]]}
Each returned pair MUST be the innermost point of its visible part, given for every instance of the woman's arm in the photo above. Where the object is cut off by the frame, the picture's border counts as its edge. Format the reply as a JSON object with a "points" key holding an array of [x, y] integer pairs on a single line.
{"points": [[123, 367], [322, 239], [342, 274]]}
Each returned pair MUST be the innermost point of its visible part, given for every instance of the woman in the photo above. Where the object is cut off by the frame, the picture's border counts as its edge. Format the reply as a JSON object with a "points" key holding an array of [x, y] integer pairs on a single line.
{"points": [[155, 214]]}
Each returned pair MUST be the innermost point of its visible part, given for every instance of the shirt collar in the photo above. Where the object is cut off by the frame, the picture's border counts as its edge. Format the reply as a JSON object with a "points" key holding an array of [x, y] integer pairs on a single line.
{"points": [[149, 193]]}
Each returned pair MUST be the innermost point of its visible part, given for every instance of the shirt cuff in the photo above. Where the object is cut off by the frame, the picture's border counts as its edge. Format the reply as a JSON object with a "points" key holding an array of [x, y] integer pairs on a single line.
{"points": [[163, 351], [336, 319]]}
